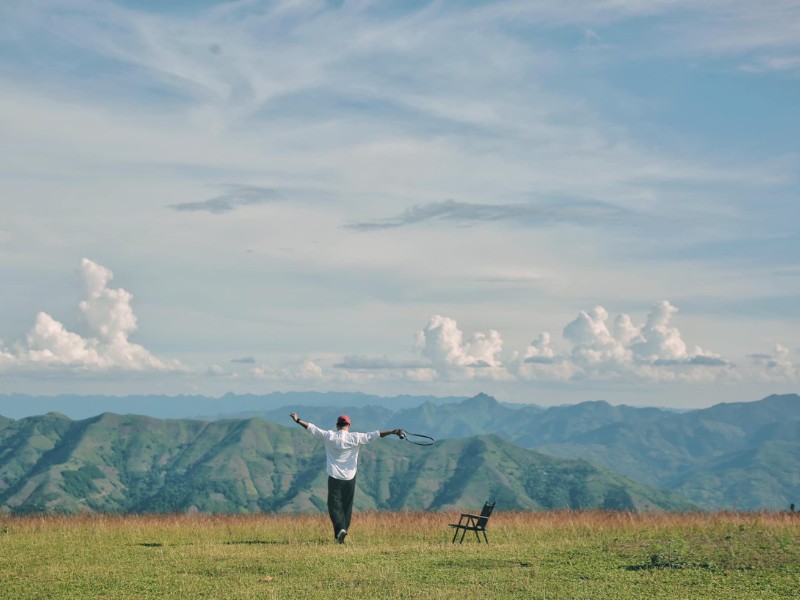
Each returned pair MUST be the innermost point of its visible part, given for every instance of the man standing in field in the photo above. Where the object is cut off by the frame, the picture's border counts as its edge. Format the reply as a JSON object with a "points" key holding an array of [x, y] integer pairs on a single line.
{"points": [[341, 448]]}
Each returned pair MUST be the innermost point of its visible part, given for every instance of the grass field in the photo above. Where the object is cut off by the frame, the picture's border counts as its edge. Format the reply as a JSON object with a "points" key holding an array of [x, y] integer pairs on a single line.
{"points": [[388, 555]]}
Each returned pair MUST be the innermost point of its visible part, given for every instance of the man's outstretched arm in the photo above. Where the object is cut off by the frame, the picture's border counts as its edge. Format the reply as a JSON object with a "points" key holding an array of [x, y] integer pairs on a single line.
{"points": [[396, 432], [303, 424]]}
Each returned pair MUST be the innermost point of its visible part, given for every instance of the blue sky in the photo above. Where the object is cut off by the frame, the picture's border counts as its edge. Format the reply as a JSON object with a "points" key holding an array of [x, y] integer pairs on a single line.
{"points": [[550, 202]]}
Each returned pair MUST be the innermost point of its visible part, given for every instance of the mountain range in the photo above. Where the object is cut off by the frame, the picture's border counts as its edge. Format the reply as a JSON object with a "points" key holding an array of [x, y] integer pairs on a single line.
{"points": [[114, 463], [729, 456]]}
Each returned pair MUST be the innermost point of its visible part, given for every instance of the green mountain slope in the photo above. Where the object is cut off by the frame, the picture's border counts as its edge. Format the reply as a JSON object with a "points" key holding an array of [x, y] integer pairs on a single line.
{"points": [[689, 452], [725, 456], [765, 475], [116, 463]]}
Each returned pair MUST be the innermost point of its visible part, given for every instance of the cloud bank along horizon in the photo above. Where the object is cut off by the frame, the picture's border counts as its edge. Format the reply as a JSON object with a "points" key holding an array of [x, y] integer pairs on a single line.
{"points": [[598, 349]]}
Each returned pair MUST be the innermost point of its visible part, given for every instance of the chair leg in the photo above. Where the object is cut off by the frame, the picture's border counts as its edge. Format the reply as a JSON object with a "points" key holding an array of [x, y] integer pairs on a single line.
{"points": [[484, 537], [462, 536], [455, 535], [477, 536]]}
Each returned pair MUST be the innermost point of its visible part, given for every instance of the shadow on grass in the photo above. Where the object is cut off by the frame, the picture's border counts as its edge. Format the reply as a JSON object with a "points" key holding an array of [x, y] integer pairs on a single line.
{"points": [[257, 542], [484, 563], [674, 566]]}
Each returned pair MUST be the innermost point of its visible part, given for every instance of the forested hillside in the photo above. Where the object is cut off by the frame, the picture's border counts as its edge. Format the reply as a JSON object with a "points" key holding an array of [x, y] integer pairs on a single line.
{"points": [[114, 463]]}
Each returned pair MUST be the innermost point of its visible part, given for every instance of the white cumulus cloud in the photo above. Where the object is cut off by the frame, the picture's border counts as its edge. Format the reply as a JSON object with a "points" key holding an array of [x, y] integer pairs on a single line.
{"points": [[624, 344], [442, 343], [108, 311], [593, 342], [777, 366], [595, 347], [598, 348], [540, 360], [109, 319], [540, 351]]}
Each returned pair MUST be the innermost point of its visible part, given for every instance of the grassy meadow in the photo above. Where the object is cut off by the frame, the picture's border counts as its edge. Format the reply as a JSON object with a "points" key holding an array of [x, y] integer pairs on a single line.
{"points": [[569, 555]]}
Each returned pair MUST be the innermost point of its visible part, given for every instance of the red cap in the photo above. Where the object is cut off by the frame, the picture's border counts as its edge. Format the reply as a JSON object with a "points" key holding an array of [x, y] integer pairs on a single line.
{"points": [[343, 420]]}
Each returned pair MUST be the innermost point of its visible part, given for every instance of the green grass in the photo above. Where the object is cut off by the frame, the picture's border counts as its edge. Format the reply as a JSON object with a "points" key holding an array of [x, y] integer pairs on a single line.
{"points": [[402, 555]]}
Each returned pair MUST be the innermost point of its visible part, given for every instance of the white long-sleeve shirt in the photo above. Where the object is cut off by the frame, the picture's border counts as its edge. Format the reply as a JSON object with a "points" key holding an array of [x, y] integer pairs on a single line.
{"points": [[342, 447]]}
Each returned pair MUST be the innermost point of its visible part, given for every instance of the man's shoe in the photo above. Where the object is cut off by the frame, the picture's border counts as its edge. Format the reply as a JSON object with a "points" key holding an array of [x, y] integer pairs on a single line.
{"points": [[341, 535]]}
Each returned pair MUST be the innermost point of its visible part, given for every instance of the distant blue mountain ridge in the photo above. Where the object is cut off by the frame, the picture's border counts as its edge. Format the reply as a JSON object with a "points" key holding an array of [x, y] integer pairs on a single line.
{"points": [[16, 406]]}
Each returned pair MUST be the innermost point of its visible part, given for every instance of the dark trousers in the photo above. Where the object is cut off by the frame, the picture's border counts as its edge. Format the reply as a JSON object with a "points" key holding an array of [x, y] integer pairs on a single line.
{"points": [[340, 502]]}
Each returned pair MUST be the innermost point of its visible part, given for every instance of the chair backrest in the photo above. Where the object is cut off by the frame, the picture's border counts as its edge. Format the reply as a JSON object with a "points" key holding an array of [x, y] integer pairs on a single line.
{"points": [[486, 513]]}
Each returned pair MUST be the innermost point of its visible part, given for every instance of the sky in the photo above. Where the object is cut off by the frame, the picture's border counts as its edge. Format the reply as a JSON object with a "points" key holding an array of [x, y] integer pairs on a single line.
{"points": [[548, 201]]}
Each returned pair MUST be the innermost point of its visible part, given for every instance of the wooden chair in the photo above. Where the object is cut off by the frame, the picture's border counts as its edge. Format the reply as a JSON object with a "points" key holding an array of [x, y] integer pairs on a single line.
{"points": [[475, 523]]}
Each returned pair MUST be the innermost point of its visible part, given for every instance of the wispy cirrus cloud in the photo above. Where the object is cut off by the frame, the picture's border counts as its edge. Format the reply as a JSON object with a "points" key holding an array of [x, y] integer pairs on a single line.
{"points": [[773, 64], [244, 360], [737, 28], [236, 197], [528, 214], [384, 362]]}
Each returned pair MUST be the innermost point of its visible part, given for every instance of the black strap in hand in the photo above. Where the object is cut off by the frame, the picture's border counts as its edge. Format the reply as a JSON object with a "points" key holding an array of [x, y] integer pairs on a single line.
{"points": [[416, 438]]}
